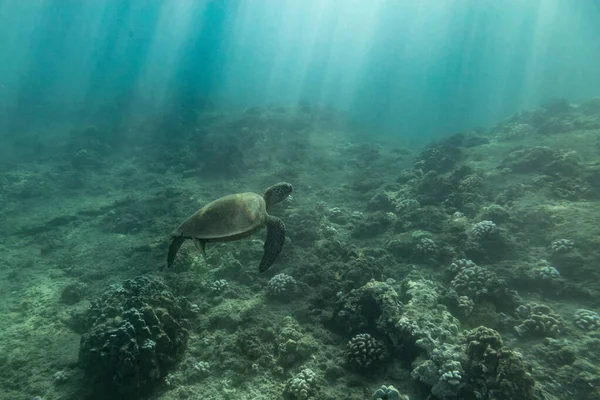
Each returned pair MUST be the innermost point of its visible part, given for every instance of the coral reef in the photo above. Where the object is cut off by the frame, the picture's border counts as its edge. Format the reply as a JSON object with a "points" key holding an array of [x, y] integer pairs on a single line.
{"points": [[137, 331], [423, 268]]}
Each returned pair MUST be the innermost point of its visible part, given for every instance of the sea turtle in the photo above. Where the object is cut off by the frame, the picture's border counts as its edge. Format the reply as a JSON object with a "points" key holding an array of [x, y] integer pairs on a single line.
{"points": [[234, 217]]}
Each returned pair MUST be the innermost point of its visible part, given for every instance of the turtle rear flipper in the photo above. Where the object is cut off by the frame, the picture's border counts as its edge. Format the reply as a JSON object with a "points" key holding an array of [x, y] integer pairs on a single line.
{"points": [[173, 249], [201, 246], [273, 243]]}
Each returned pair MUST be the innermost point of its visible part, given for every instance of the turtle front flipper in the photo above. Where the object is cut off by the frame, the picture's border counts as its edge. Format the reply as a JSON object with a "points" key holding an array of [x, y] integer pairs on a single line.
{"points": [[173, 249], [273, 243]]}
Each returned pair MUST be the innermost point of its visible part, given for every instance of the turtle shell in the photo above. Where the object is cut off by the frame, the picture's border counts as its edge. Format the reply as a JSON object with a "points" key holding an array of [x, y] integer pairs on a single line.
{"points": [[227, 218]]}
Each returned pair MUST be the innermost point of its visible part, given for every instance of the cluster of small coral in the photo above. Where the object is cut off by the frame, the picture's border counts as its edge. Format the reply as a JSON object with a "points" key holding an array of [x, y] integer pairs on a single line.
{"points": [[363, 351], [426, 246], [562, 245], [302, 386], [484, 229], [388, 393], [546, 271], [281, 286], [539, 320], [587, 320], [474, 281], [219, 286]]}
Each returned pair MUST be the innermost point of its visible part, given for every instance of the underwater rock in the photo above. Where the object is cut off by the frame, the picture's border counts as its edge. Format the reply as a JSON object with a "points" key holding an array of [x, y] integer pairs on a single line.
{"points": [[406, 205], [73, 293], [478, 284], [428, 218], [555, 117], [433, 188], [494, 212], [486, 242], [466, 139], [338, 215], [513, 131], [400, 247], [254, 344], [368, 264], [426, 337], [438, 157], [408, 177], [291, 344], [136, 333], [382, 201], [302, 227], [373, 225], [544, 160], [492, 371], [372, 306], [556, 125]]}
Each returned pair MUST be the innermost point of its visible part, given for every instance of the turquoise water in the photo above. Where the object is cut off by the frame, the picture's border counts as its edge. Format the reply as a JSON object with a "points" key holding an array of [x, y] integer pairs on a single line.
{"points": [[398, 65], [299, 200]]}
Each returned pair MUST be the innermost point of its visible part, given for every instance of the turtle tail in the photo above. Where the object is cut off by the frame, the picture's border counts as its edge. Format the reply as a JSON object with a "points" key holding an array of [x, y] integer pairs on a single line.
{"points": [[173, 249], [273, 243]]}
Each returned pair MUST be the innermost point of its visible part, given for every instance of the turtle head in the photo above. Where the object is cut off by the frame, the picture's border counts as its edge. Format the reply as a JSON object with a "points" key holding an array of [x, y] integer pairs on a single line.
{"points": [[277, 193]]}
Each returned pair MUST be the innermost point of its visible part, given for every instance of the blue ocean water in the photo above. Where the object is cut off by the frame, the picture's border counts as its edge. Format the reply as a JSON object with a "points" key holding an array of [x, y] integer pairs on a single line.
{"points": [[299, 199], [396, 66]]}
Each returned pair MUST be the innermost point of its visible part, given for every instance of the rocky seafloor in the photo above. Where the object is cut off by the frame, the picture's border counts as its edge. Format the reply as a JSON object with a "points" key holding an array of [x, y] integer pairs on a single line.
{"points": [[468, 269]]}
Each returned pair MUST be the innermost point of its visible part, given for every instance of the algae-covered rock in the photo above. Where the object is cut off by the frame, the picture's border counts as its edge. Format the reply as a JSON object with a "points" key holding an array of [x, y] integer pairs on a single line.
{"points": [[492, 371], [370, 307]]}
